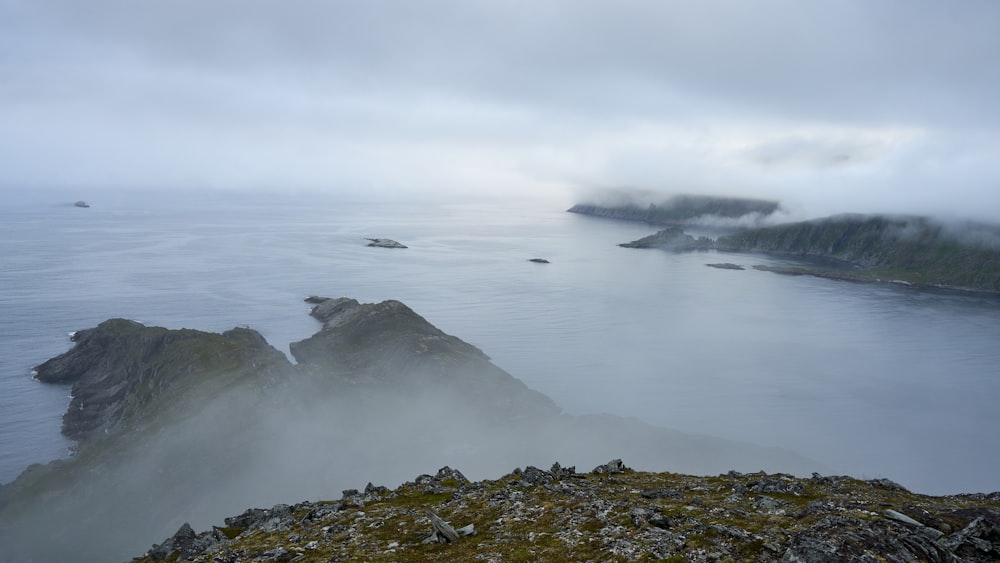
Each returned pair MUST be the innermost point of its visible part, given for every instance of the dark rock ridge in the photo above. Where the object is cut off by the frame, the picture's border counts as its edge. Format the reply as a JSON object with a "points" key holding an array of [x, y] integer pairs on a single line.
{"points": [[682, 209], [911, 250], [610, 514], [182, 426]]}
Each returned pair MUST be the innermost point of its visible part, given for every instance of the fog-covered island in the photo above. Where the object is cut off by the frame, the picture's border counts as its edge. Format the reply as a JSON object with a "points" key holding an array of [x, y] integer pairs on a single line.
{"points": [[918, 251], [681, 209]]}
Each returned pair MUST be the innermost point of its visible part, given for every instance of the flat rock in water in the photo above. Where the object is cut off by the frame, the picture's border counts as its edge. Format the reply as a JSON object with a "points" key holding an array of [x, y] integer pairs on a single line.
{"points": [[385, 243], [538, 260], [726, 266]]}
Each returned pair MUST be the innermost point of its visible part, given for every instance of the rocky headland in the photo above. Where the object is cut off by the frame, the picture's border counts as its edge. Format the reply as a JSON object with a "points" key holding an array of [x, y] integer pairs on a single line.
{"points": [[611, 513], [915, 251], [176, 426]]}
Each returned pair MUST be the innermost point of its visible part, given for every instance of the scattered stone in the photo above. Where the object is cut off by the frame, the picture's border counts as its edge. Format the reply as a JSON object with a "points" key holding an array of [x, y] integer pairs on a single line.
{"points": [[444, 533], [632, 516], [900, 517]]}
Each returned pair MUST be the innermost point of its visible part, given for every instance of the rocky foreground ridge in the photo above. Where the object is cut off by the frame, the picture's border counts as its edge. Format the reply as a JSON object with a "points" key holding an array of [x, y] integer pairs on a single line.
{"points": [[609, 514], [177, 426]]}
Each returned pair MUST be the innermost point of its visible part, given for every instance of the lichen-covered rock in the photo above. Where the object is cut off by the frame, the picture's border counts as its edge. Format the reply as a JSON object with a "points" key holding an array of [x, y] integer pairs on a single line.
{"points": [[559, 515]]}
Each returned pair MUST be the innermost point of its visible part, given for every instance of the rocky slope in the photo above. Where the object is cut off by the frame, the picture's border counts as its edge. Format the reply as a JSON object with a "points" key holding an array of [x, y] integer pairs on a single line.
{"points": [[185, 426], [682, 209], [609, 514], [912, 250]]}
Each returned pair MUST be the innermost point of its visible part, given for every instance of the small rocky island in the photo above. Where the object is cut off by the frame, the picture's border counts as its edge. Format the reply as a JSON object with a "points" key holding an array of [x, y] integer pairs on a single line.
{"points": [[81, 203], [726, 266], [384, 243]]}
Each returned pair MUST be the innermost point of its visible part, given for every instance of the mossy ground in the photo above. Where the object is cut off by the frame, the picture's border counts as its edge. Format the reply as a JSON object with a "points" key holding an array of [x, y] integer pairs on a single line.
{"points": [[630, 516]]}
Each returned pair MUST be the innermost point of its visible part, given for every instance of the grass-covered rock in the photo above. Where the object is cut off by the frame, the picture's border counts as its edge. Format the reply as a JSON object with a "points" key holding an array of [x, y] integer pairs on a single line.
{"points": [[610, 514]]}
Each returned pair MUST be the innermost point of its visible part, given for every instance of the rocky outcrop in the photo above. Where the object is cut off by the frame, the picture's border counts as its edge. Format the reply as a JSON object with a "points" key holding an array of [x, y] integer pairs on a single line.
{"points": [[611, 514], [394, 346], [682, 209], [385, 243], [673, 239], [121, 369]]}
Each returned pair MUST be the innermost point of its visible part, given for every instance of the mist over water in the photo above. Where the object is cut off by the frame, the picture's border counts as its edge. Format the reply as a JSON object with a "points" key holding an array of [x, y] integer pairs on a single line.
{"points": [[871, 380]]}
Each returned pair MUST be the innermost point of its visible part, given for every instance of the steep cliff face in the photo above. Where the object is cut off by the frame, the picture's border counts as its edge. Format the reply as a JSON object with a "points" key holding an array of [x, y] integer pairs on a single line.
{"points": [[120, 370], [681, 209]]}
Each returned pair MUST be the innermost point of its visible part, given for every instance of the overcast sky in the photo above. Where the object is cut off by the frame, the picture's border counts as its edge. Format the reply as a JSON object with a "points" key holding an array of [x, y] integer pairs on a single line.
{"points": [[839, 105]]}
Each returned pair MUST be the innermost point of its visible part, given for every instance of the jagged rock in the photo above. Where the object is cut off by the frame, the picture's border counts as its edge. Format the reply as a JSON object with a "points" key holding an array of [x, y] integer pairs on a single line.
{"points": [[122, 370], [613, 466], [186, 543], [778, 483], [900, 517], [673, 239]]}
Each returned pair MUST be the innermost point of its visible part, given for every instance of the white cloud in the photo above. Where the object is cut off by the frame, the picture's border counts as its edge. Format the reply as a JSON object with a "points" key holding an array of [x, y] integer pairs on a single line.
{"points": [[837, 105]]}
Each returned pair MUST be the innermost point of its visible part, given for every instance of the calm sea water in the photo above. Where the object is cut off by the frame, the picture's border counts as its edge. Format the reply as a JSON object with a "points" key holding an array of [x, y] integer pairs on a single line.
{"points": [[870, 380]]}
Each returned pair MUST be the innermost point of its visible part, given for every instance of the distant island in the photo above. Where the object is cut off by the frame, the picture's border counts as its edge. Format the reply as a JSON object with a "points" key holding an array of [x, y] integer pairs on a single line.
{"points": [[682, 209], [917, 251], [81, 203]]}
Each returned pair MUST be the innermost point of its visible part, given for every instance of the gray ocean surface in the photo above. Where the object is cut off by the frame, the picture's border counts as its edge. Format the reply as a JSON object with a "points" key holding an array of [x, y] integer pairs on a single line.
{"points": [[869, 380]]}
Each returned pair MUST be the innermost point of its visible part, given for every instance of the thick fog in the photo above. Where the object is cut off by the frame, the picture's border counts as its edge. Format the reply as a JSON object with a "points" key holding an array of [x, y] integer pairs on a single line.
{"points": [[832, 106], [311, 437]]}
